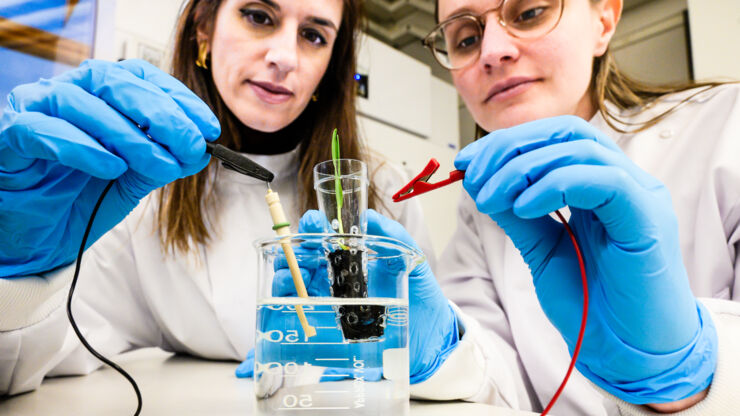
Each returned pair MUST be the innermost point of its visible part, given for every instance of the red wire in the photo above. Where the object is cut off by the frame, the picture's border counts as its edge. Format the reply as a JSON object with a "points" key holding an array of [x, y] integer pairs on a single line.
{"points": [[584, 316]]}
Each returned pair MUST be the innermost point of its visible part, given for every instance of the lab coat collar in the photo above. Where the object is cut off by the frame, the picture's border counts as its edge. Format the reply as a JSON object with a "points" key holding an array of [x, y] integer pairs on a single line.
{"points": [[284, 165]]}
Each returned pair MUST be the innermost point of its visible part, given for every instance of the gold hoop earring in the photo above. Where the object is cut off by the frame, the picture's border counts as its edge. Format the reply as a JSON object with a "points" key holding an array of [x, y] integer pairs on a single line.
{"points": [[315, 97], [202, 55]]}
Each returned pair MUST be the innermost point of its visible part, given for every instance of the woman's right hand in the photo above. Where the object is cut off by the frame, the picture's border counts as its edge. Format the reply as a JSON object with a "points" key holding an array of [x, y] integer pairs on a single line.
{"points": [[63, 139]]}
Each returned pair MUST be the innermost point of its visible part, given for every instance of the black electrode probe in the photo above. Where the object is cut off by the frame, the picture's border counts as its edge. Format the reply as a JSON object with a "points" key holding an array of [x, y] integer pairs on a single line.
{"points": [[238, 162]]}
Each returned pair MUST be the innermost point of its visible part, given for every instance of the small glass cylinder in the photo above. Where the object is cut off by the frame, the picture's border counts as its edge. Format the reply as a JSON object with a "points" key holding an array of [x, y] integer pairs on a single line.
{"points": [[346, 213], [341, 190]]}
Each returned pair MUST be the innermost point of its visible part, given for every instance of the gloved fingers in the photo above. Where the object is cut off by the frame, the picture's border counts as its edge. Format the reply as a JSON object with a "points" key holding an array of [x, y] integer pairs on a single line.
{"points": [[505, 185], [372, 373], [319, 285], [560, 293], [191, 104], [137, 185], [535, 238], [379, 225], [532, 135], [187, 169], [246, 368], [482, 158], [282, 284], [623, 207], [34, 135], [313, 221], [422, 283], [309, 259], [144, 103], [540, 240], [96, 118]]}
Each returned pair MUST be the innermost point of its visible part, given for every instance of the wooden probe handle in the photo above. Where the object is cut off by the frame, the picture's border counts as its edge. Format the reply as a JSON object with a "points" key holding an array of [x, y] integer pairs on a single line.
{"points": [[282, 228]]}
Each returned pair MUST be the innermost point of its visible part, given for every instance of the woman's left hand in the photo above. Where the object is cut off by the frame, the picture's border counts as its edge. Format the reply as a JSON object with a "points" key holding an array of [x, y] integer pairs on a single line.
{"points": [[647, 339]]}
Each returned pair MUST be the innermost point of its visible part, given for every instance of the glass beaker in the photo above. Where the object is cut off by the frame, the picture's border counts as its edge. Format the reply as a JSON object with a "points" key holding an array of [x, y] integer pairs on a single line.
{"points": [[346, 213], [329, 374]]}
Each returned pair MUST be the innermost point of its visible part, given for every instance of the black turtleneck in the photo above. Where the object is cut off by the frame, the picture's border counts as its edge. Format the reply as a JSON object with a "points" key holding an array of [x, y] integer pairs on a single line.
{"points": [[282, 141]]}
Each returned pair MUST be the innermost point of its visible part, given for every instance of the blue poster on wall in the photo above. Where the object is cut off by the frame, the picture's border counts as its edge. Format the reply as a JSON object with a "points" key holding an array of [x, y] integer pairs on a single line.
{"points": [[41, 38]]}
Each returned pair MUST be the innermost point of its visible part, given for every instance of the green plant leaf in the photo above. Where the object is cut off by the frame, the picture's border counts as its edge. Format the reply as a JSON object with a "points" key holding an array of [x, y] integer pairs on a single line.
{"points": [[335, 156]]}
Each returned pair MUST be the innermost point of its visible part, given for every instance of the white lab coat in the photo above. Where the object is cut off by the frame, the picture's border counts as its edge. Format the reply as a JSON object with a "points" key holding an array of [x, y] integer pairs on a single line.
{"points": [[695, 152], [131, 295], [509, 354]]}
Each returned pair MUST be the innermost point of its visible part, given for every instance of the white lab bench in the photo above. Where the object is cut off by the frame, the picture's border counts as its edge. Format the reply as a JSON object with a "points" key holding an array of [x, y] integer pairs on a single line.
{"points": [[175, 385]]}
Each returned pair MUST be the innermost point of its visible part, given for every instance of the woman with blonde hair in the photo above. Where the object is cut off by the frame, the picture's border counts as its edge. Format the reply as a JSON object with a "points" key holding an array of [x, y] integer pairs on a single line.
{"points": [[651, 182]]}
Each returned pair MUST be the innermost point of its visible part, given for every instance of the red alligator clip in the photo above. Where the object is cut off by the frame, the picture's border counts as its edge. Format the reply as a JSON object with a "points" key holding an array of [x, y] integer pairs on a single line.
{"points": [[420, 184]]}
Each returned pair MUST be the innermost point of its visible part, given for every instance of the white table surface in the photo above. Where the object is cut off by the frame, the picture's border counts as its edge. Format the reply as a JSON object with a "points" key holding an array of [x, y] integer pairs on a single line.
{"points": [[175, 385]]}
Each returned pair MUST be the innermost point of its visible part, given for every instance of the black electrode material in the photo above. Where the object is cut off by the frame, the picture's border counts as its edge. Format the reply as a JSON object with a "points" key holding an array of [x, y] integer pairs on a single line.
{"points": [[238, 162], [348, 280]]}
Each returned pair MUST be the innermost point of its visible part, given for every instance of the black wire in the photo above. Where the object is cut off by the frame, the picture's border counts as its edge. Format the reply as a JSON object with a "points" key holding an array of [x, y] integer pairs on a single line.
{"points": [[69, 303]]}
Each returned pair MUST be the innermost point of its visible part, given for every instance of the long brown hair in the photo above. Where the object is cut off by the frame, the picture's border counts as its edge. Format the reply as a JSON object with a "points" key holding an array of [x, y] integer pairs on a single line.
{"points": [[184, 204]]}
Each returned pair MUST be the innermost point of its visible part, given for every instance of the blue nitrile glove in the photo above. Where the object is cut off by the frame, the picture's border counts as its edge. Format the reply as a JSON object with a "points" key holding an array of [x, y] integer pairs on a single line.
{"points": [[246, 368], [433, 331], [647, 339], [63, 139]]}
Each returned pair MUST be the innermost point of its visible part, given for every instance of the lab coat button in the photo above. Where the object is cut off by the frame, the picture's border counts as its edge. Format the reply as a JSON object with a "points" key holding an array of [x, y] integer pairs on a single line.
{"points": [[666, 134]]}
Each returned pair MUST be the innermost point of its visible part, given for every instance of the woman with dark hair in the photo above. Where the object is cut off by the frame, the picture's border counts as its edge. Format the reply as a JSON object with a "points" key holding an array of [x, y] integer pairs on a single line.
{"points": [[269, 78], [651, 181]]}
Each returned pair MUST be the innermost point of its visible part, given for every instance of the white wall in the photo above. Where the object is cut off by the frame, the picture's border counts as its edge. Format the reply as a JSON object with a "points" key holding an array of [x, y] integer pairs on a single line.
{"points": [[404, 93], [399, 87], [445, 129], [715, 34], [145, 28], [105, 18], [650, 43], [647, 14]]}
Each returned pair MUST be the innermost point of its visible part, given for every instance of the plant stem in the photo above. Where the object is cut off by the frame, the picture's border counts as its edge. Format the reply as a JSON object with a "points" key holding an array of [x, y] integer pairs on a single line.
{"points": [[337, 178]]}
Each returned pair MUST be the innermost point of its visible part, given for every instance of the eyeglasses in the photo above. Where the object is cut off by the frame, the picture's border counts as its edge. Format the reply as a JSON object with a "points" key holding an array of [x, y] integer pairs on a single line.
{"points": [[456, 42]]}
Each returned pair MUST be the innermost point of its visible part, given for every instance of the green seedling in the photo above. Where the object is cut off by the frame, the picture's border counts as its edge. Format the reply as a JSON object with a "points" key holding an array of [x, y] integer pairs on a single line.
{"points": [[337, 177]]}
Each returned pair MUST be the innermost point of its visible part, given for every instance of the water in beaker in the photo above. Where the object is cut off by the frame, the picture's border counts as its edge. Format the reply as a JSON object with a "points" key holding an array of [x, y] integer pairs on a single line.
{"points": [[365, 372]]}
